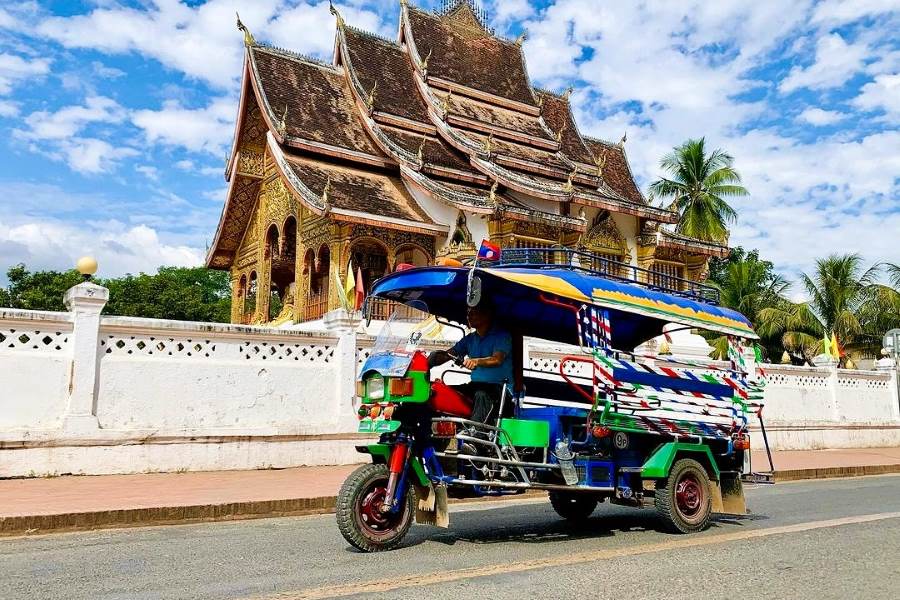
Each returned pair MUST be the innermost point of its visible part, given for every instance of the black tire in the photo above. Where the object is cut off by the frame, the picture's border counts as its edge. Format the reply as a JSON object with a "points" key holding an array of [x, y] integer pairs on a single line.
{"points": [[573, 506], [365, 532], [683, 500]]}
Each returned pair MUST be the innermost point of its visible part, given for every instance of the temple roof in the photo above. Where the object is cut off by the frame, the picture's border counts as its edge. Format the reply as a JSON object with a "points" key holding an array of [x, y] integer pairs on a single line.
{"points": [[459, 49], [557, 113], [616, 171], [312, 98]]}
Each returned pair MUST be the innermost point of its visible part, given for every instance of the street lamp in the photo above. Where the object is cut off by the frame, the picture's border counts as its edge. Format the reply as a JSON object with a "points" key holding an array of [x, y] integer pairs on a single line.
{"points": [[87, 266]]}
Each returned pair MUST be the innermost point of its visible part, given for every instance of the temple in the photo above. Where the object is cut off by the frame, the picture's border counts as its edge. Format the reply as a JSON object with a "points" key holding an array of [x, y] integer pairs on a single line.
{"points": [[408, 150]]}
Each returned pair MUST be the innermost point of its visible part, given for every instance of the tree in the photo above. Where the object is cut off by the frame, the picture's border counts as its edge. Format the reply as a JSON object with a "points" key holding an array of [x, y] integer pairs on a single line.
{"points": [[40, 290], [698, 186], [191, 294], [845, 300], [747, 285], [183, 294]]}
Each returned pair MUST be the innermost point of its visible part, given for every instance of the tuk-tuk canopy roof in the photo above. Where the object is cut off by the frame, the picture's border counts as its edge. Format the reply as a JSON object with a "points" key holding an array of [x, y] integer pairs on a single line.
{"points": [[636, 313]]}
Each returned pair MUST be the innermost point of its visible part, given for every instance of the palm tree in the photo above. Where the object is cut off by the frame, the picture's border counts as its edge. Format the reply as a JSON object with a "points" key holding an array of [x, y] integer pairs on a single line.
{"points": [[698, 186], [844, 300], [748, 285]]}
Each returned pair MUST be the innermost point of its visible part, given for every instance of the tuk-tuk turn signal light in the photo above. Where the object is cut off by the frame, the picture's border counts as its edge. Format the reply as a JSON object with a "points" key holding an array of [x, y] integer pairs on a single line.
{"points": [[375, 411], [363, 412], [401, 387], [742, 442], [388, 411]]}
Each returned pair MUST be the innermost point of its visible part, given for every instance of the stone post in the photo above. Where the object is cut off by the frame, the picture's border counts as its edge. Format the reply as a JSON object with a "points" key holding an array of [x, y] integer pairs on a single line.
{"points": [[343, 325], [84, 301]]}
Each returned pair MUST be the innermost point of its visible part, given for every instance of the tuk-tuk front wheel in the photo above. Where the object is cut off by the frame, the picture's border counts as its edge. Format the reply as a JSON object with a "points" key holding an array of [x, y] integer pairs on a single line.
{"points": [[359, 516], [573, 506], [683, 500]]}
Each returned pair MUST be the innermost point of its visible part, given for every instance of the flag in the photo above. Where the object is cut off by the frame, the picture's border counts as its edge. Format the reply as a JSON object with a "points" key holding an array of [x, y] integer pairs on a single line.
{"points": [[826, 346], [488, 251], [334, 285], [360, 289], [349, 282], [836, 350]]}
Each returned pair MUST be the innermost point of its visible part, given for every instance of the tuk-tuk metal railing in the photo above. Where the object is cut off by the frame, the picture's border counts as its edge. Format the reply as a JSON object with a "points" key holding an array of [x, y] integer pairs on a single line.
{"points": [[594, 264]]}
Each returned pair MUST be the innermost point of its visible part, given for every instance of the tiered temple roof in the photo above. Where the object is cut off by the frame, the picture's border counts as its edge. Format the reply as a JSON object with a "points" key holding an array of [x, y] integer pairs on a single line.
{"points": [[447, 111]]}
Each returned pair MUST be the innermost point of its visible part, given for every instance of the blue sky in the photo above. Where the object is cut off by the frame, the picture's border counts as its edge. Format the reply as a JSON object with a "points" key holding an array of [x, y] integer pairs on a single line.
{"points": [[116, 116]]}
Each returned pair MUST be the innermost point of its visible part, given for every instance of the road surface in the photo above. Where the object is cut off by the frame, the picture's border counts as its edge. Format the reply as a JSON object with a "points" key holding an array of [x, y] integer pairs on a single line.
{"points": [[816, 539]]}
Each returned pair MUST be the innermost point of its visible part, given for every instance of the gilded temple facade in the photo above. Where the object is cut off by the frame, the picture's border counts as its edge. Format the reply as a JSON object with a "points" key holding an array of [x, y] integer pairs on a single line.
{"points": [[408, 150]]}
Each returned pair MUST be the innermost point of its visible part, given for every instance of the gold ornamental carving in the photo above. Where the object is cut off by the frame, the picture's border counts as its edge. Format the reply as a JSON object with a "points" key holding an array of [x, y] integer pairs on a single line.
{"points": [[604, 235], [250, 163]]}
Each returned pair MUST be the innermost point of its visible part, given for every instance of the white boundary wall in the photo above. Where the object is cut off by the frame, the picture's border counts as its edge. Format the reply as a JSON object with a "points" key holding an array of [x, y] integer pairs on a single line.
{"points": [[81, 393]]}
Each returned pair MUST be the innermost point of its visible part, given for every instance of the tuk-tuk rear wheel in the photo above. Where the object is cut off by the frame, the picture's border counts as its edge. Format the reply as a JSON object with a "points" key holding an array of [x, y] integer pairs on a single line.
{"points": [[573, 506], [683, 499], [358, 513]]}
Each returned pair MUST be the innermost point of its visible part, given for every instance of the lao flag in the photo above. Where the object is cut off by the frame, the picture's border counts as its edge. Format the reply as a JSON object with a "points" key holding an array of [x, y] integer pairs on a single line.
{"points": [[488, 251]]}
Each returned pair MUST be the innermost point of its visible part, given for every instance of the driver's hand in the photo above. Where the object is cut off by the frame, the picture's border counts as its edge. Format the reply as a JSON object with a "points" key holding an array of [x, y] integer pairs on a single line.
{"points": [[470, 363]]}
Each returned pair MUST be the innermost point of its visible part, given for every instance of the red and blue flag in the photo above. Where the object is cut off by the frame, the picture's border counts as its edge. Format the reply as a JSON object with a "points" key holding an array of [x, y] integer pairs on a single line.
{"points": [[488, 251]]}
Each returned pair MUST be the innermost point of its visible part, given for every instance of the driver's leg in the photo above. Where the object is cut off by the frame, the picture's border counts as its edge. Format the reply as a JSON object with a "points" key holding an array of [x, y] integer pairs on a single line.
{"points": [[485, 399]]}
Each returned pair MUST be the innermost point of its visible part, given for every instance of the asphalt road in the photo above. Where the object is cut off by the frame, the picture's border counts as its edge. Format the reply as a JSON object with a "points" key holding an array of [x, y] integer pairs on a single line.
{"points": [[819, 539]]}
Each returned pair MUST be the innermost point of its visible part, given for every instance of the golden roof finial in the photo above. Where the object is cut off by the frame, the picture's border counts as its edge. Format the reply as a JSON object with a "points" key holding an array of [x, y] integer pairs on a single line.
{"points": [[248, 37], [568, 92], [424, 64], [281, 126], [333, 9], [522, 37], [489, 144], [445, 104], [421, 152], [570, 182], [493, 197], [600, 162], [326, 203], [370, 99], [623, 140], [559, 134], [540, 101]]}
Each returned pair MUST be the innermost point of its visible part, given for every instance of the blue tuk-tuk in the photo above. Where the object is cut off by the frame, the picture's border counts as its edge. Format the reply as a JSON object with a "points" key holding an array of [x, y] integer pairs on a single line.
{"points": [[608, 424]]}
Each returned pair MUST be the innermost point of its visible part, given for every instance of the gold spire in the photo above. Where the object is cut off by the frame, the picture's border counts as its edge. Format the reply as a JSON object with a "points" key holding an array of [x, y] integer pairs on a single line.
{"points": [[493, 197], [540, 102], [248, 37], [570, 182], [559, 133], [489, 144], [424, 64], [281, 125], [600, 162], [568, 92], [445, 104], [522, 37], [623, 140], [333, 9], [370, 99], [421, 152]]}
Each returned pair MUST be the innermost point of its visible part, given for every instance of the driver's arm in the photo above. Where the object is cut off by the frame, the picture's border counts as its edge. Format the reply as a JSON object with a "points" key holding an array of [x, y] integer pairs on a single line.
{"points": [[437, 358], [494, 360]]}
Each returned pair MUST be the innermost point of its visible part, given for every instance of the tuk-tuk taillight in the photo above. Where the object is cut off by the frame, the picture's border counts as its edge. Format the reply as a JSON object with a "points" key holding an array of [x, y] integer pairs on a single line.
{"points": [[599, 431], [401, 387], [742, 442], [443, 429]]}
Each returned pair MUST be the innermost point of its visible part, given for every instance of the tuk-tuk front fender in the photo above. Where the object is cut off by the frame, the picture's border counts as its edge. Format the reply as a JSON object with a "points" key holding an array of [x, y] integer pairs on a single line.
{"points": [[380, 454]]}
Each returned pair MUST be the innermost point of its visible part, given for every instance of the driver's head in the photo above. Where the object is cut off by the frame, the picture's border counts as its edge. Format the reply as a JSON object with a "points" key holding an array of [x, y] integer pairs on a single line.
{"points": [[481, 316]]}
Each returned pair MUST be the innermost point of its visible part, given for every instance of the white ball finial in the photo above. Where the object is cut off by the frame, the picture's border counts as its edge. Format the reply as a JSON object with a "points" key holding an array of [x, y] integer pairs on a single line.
{"points": [[87, 266]]}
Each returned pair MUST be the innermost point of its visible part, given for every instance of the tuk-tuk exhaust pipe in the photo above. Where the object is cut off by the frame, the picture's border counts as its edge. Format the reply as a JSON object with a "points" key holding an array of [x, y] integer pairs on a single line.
{"points": [[395, 467]]}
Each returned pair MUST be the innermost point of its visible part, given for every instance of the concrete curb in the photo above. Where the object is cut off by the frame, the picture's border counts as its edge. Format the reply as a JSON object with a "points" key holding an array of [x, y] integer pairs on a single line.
{"points": [[234, 511]]}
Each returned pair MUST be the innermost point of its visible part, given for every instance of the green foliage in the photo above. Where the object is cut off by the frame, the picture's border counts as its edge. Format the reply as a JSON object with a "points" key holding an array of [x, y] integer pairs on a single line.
{"points": [[40, 290], [183, 294], [187, 294], [699, 185]]}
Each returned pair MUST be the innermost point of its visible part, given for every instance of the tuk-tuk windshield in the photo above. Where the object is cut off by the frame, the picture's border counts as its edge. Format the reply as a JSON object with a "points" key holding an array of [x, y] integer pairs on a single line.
{"points": [[405, 329]]}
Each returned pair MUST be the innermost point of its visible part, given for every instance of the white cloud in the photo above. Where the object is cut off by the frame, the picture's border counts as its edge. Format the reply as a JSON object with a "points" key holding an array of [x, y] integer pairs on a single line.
{"points": [[206, 129], [819, 117], [185, 165], [836, 61], [318, 27], [101, 70], [92, 156], [8, 108], [883, 93], [844, 11], [15, 69], [148, 171], [69, 120]]}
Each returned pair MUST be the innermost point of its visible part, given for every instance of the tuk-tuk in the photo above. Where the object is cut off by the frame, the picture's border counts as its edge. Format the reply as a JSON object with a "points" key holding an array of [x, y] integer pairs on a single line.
{"points": [[609, 424]]}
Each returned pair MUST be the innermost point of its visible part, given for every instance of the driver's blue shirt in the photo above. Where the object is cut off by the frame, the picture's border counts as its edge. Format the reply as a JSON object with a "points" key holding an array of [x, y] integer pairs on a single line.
{"points": [[475, 346]]}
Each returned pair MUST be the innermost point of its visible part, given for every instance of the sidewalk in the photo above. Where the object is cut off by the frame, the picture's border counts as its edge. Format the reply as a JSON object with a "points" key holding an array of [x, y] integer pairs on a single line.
{"points": [[90, 502]]}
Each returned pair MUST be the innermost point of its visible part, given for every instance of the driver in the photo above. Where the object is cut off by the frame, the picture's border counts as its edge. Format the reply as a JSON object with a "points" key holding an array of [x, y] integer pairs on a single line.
{"points": [[488, 354]]}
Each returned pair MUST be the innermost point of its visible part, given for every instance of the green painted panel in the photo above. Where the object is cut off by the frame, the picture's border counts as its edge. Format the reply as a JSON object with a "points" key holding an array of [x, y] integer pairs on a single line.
{"points": [[384, 451], [659, 464], [527, 433]]}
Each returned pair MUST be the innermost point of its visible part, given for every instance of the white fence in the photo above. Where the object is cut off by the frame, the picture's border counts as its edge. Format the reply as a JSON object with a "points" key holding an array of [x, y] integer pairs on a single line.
{"points": [[81, 393]]}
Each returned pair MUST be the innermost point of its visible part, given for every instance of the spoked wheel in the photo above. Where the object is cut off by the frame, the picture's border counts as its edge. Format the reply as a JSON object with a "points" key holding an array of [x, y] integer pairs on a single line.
{"points": [[573, 506], [683, 499], [359, 515]]}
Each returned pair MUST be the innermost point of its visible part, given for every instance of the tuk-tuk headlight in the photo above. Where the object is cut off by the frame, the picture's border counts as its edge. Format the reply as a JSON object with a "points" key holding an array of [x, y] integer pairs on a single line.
{"points": [[375, 388]]}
